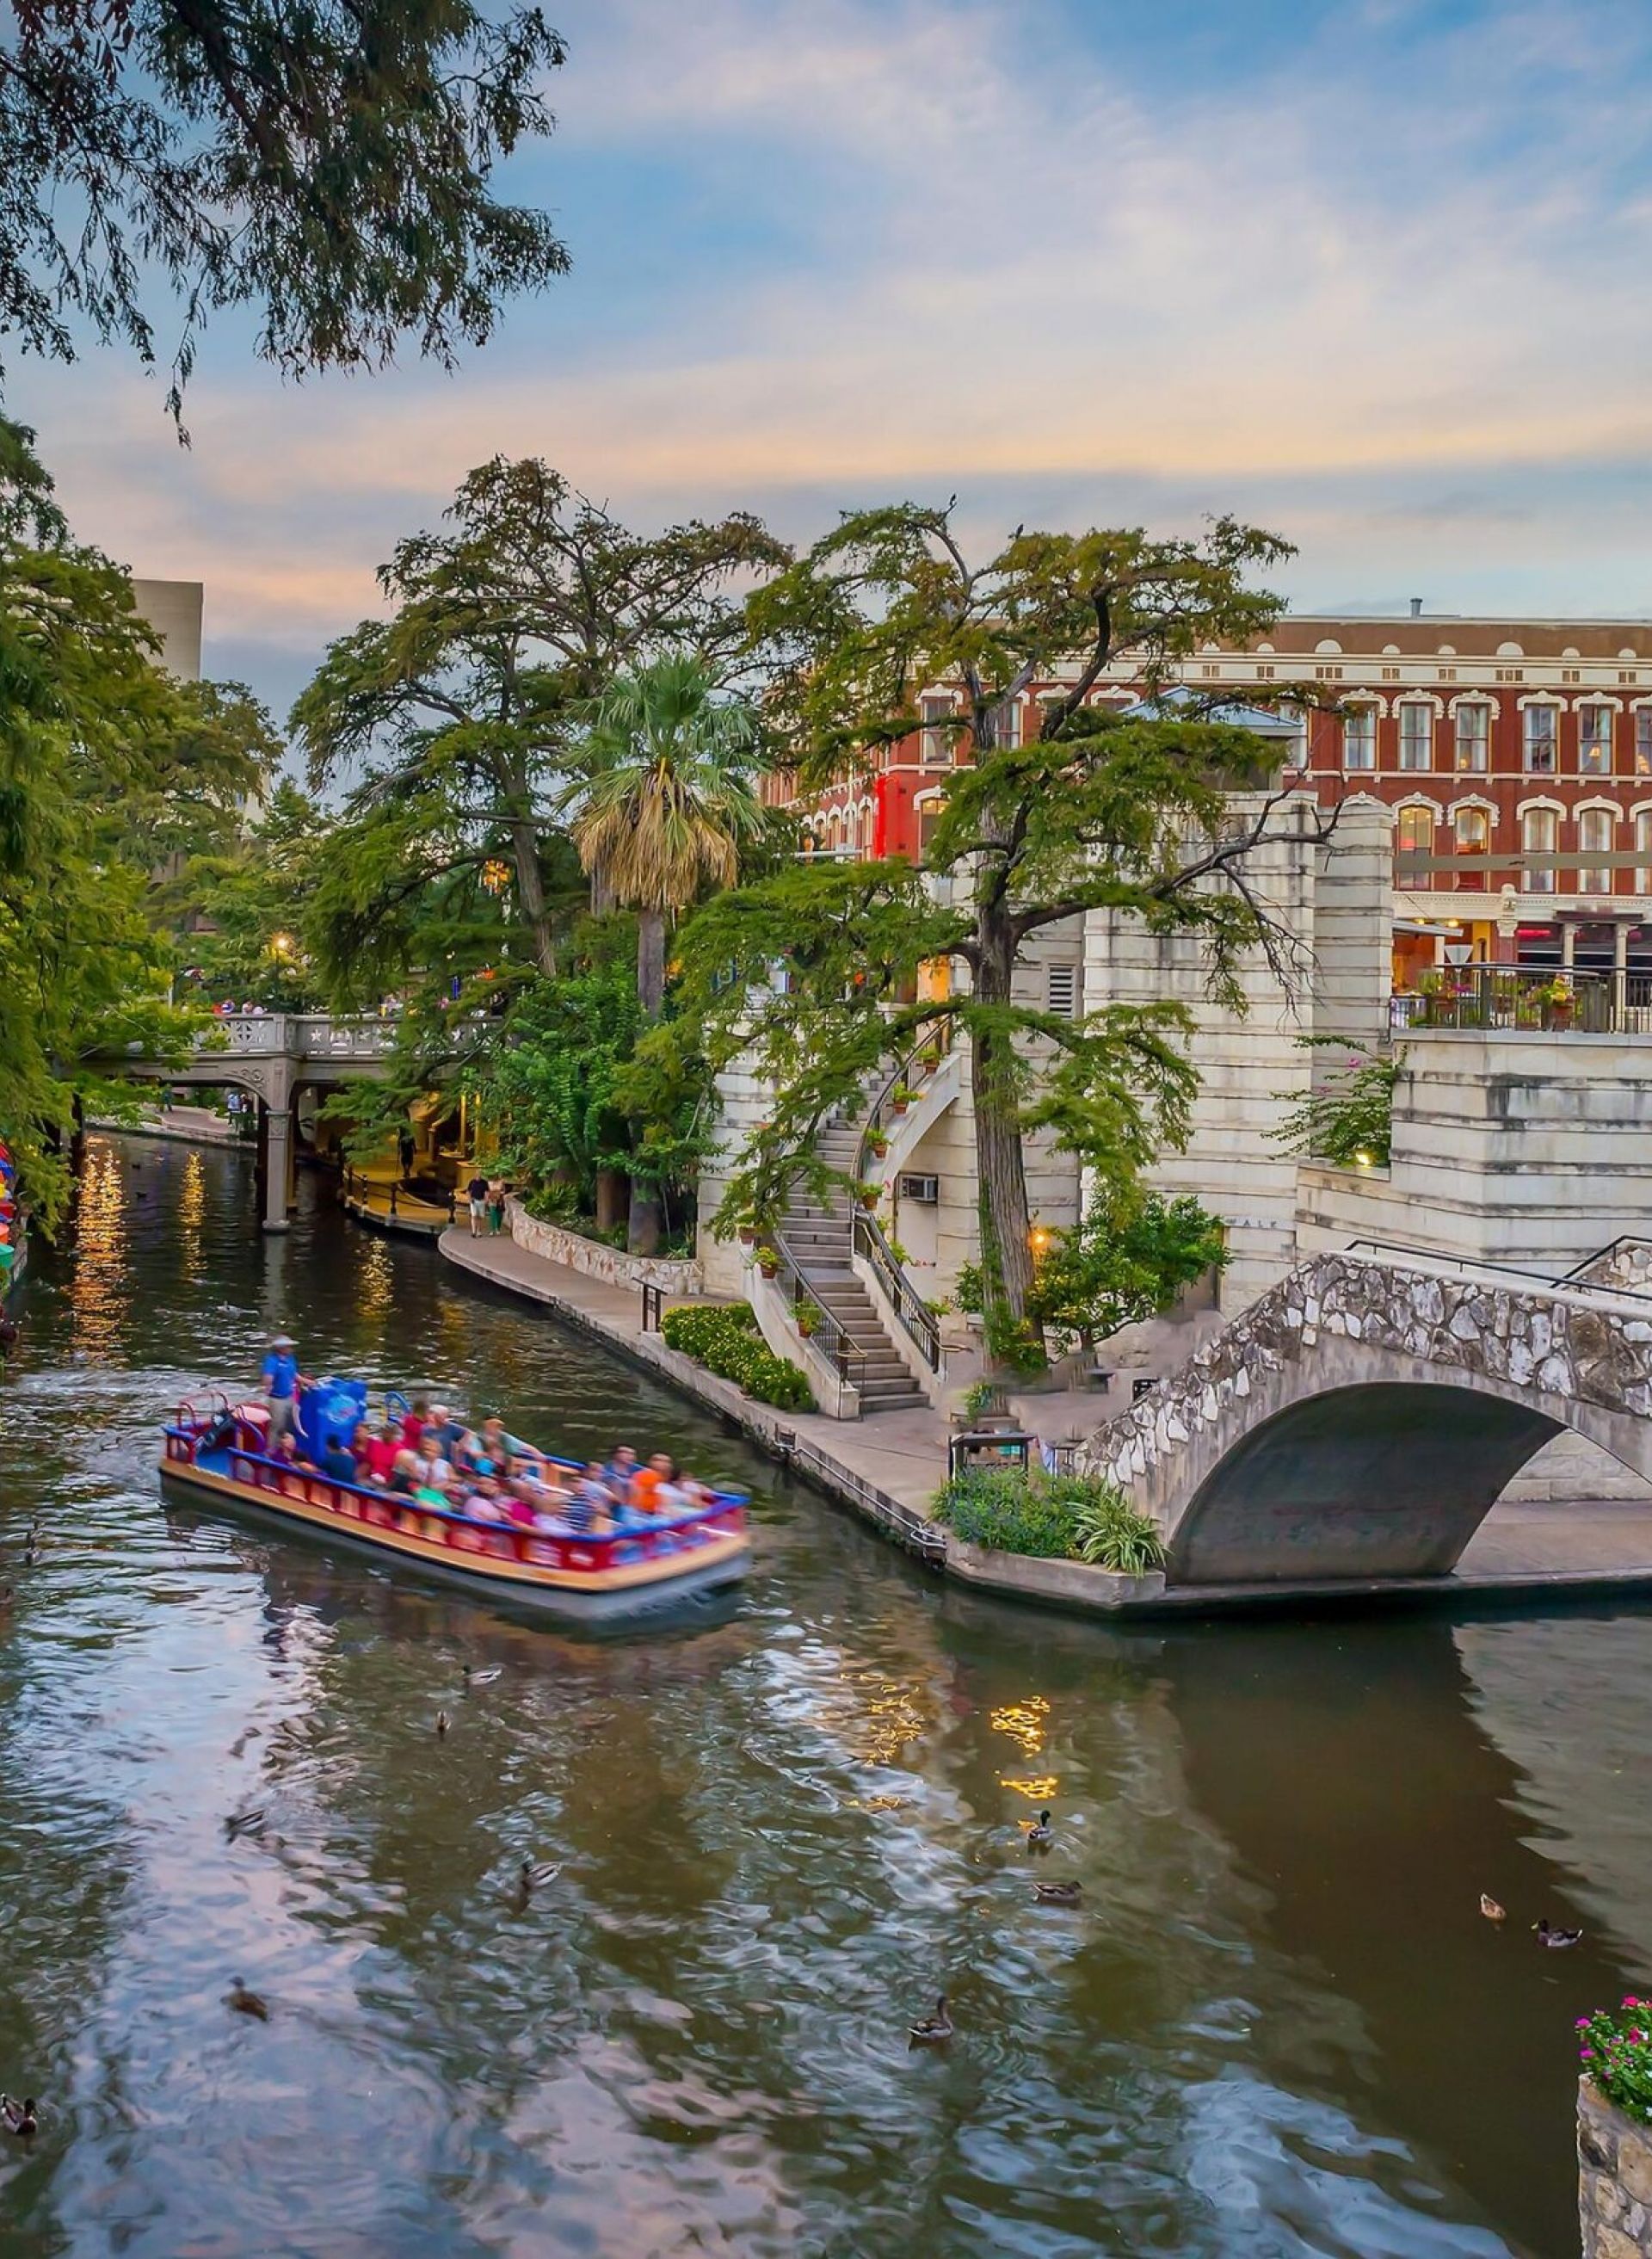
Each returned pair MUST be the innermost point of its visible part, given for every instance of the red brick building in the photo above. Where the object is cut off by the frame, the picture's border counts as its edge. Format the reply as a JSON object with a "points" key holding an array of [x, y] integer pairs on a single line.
{"points": [[1515, 755]]}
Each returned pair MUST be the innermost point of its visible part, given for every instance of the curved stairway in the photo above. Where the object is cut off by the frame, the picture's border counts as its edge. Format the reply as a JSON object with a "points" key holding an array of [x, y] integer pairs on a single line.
{"points": [[818, 1236]]}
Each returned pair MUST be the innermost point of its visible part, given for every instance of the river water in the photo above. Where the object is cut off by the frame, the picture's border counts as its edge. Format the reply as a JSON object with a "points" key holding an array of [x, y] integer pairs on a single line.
{"points": [[1278, 2024]]}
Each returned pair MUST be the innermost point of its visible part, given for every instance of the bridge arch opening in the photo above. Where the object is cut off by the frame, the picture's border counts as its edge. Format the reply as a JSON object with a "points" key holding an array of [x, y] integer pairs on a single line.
{"points": [[1386, 1479]]}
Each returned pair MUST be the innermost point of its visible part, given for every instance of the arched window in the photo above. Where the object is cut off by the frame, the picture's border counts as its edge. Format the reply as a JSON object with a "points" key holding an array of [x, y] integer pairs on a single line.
{"points": [[1471, 835], [1414, 835], [1595, 837], [1539, 828]]}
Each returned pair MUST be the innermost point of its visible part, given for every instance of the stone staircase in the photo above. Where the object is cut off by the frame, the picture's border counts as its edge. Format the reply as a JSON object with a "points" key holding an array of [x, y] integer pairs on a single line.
{"points": [[819, 1235]]}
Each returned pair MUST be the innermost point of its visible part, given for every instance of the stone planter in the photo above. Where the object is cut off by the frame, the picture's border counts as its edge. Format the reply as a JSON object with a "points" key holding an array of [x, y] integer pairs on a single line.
{"points": [[1614, 2179], [597, 1260], [1063, 1584]]}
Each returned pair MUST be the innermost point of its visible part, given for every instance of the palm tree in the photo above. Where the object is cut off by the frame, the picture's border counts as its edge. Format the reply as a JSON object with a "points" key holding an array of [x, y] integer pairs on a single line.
{"points": [[667, 801]]}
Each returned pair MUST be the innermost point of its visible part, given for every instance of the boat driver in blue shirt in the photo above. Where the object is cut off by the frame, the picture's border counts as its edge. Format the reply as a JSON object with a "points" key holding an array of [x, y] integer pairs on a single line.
{"points": [[282, 1381]]}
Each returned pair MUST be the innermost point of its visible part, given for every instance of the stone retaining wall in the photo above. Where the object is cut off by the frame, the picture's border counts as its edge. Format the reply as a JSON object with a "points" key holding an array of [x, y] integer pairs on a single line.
{"points": [[1614, 2179], [596, 1259]]}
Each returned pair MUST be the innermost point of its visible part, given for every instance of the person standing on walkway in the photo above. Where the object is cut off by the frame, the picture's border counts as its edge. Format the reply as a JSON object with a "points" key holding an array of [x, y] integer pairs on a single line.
{"points": [[406, 1145], [495, 1206], [282, 1381], [476, 1191]]}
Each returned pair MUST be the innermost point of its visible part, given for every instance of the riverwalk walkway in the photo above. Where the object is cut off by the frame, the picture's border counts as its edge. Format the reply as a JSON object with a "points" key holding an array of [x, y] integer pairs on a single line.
{"points": [[888, 1469], [899, 1458]]}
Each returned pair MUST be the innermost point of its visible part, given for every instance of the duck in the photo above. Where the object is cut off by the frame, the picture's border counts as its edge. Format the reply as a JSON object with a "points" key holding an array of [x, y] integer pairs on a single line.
{"points": [[442, 1723], [246, 2003], [1057, 1893], [244, 1823], [1041, 1835], [1556, 1938], [482, 1678], [1491, 1909], [19, 2118], [7, 1596], [530, 1879], [931, 2031]]}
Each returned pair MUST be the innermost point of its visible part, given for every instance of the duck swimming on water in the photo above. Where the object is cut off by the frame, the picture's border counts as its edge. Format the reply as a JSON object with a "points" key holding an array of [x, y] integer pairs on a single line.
{"points": [[1556, 1938], [19, 2118], [1057, 1893], [931, 2031], [1041, 1835]]}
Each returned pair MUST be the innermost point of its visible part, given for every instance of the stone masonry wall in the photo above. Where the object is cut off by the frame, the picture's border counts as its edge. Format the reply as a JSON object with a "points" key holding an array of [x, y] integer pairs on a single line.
{"points": [[1567, 1357], [1615, 2180], [597, 1260]]}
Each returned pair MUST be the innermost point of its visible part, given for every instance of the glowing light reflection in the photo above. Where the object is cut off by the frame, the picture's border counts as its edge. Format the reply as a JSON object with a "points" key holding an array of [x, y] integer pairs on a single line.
{"points": [[1023, 1722]]}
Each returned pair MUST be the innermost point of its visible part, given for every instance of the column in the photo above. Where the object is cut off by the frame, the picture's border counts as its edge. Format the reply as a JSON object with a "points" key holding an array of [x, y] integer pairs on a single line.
{"points": [[1620, 972], [275, 1142], [1568, 946]]}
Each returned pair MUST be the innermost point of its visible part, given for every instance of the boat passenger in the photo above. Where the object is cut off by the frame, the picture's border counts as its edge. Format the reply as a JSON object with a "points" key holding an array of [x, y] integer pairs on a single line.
{"points": [[405, 1471], [415, 1421], [381, 1453], [645, 1486], [337, 1458], [590, 1500], [622, 1472]]}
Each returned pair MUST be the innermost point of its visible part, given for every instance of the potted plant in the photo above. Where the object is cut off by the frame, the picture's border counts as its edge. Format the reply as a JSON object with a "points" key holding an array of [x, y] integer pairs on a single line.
{"points": [[877, 1144], [1556, 1002], [901, 1097], [899, 1253], [806, 1321], [868, 1194], [768, 1262]]}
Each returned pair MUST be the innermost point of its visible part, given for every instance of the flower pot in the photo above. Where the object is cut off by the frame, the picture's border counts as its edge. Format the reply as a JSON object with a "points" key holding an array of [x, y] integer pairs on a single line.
{"points": [[899, 1105], [748, 1239]]}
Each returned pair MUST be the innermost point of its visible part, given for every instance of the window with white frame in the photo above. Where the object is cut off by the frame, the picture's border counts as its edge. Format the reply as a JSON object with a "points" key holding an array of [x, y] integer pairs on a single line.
{"points": [[936, 740], [1006, 723], [1416, 735], [1643, 741], [1643, 847], [1359, 738], [1471, 835], [1540, 735], [1473, 737], [1539, 833], [930, 813], [1414, 835], [1595, 837], [1594, 741]]}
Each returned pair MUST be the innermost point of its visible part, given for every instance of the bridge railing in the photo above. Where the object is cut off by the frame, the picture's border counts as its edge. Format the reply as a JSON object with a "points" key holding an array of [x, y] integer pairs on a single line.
{"points": [[301, 1034], [1559, 1282]]}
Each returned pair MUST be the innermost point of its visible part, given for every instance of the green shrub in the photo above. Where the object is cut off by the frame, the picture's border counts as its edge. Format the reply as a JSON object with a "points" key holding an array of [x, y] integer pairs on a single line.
{"points": [[1052, 1517], [1002, 1508], [724, 1338], [1616, 2048], [1113, 1534]]}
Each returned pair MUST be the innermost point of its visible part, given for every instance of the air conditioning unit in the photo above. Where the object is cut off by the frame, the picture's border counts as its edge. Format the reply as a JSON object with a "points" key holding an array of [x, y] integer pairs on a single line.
{"points": [[926, 1190]]}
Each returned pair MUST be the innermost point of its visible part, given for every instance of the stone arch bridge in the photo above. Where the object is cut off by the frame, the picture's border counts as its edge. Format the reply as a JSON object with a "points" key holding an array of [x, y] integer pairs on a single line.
{"points": [[1360, 1420], [275, 1055]]}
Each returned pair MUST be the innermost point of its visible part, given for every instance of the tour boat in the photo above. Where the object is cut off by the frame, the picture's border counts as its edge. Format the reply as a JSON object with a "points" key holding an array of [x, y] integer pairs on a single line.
{"points": [[216, 1450]]}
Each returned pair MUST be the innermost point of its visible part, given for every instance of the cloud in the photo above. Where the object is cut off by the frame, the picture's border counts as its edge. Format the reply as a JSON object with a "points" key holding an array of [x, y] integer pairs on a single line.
{"points": [[906, 245]]}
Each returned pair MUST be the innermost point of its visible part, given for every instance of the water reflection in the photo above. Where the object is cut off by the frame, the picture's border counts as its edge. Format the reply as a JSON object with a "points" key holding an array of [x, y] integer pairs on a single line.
{"points": [[1276, 2025]]}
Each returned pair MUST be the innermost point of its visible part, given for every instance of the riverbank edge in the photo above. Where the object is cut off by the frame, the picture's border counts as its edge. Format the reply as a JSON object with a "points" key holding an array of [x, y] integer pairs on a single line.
{"points": [[1071, 1587]]}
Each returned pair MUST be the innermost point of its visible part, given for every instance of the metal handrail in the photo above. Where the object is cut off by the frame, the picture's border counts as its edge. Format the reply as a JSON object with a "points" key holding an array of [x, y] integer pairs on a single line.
{"points": [[915, 1315], [1623, 1239], [843, 1349]]}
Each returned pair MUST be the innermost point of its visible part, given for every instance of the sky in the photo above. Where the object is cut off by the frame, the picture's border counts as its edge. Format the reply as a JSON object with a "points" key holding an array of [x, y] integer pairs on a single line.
{"points": [[1374, 273]]}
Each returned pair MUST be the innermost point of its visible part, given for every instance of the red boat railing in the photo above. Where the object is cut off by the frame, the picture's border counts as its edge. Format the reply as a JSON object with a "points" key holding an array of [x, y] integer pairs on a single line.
{"points": [[478, 1541]]}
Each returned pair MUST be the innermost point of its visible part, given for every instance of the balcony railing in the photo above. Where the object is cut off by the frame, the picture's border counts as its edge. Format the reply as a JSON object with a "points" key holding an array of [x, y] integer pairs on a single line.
{"points": [[1513, 997]]}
